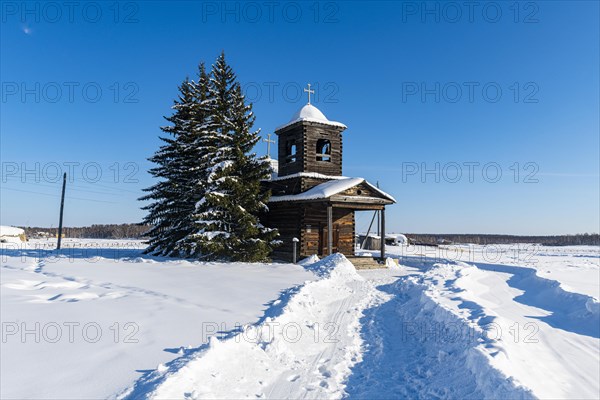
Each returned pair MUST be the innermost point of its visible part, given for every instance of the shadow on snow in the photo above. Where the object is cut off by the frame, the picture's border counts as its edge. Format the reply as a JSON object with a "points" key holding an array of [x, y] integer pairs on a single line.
{"points": [[568, 311]]}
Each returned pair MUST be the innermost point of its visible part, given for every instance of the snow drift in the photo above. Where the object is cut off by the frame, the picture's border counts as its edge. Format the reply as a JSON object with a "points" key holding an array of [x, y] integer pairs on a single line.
{"points": [[304, 346]]}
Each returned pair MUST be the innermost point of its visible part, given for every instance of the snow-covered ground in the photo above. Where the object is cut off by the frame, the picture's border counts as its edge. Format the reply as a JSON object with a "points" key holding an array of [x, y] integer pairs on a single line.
{"points": [[106, 314], [450, 322], [533, 312]]}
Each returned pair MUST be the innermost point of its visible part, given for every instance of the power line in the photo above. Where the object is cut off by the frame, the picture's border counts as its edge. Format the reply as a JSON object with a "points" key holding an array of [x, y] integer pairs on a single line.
{"points": [[70, 188], [80, 187], [55, 195], [109, 187]]}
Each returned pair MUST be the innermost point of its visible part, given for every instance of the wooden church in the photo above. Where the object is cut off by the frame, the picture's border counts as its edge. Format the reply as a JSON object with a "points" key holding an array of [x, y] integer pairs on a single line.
{"points": [[311, 199]]}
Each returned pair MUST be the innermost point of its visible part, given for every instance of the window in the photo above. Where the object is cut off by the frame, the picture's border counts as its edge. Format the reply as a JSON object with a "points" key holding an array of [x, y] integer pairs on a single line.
{"points": [[323, 150], [290, 151]]}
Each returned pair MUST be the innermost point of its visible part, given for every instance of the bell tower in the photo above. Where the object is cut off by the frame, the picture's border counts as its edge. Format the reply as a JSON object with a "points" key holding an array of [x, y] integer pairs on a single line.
{"points": [[309, 142], [312, 205]]}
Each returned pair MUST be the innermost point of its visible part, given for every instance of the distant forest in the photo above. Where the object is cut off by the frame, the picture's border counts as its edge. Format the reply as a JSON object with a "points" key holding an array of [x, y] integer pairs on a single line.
{"points": [[137, 231], [113, 231], [592, 239]]}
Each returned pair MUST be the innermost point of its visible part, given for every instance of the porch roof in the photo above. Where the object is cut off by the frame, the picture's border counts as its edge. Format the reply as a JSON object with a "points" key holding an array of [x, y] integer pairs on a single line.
{"points": [[332, 189]]}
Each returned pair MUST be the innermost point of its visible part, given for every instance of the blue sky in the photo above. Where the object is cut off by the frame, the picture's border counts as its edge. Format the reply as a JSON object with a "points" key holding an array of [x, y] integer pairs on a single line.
{"points": [[427, 92]]}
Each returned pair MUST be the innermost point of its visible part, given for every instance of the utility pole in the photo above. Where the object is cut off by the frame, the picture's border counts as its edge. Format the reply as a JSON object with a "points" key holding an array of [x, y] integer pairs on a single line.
{"points": [[377, 212], [62, 206]]}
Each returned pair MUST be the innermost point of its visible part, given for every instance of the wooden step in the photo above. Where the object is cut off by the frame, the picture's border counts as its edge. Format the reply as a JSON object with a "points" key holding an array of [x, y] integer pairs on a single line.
{"points": [[366, 262]]}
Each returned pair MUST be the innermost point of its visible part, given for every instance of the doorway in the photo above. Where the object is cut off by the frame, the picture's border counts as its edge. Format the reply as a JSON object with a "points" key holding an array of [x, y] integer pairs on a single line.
{"points": [[323, 234]]}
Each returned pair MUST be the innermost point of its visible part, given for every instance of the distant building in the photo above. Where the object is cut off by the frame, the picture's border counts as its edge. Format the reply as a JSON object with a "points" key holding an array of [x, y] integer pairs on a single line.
{"points": [[11, 234], [373, 242], [370, 242], [396, 239]]}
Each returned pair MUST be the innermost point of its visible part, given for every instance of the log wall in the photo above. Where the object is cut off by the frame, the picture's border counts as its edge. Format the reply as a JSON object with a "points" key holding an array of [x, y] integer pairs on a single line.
{"points": [[313, 236], [285, 186], [292, 134], [314, 132], [305, 135], [286, 217]]}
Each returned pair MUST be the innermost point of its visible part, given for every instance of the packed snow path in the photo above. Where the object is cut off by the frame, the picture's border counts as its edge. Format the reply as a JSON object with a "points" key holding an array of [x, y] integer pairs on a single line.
{"points": [[414, 349], [350, 339], [302, 349]]}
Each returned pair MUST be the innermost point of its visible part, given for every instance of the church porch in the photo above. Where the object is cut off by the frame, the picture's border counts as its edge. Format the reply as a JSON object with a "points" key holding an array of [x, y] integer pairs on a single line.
{"points": [[330, 227]]}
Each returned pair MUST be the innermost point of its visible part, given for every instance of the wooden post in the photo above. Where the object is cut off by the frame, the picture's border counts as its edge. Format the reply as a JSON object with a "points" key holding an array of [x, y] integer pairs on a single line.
{"points": [[62, 206], [295, 244], [383, 233], [329, 229]]}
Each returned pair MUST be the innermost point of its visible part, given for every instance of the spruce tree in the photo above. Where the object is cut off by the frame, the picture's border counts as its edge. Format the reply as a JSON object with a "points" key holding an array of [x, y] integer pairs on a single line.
{"points": [[164, 211], [181, 175], [197, 160], [227, 220]]}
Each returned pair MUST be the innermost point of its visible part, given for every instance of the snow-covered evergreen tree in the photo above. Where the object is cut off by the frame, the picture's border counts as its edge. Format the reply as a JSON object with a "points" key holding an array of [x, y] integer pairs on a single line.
{"points": [[197, 159], [180, 171], [227, 220], [166, 210], [208, 199]]}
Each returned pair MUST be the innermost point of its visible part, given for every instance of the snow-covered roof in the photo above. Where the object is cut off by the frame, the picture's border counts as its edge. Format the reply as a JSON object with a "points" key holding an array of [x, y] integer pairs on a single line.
{"points": [[395, 236], [274, 168], [328, 189], [10, 231], [311, 113]]}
